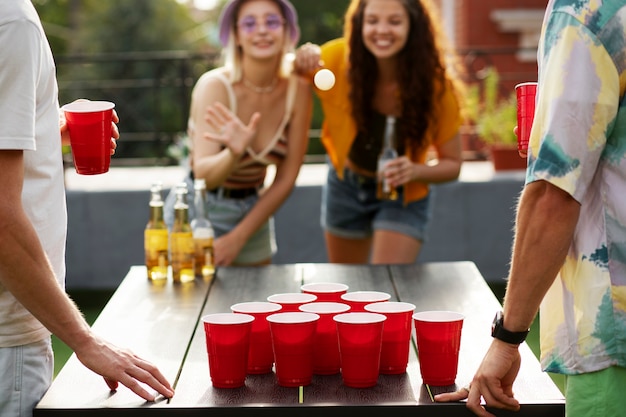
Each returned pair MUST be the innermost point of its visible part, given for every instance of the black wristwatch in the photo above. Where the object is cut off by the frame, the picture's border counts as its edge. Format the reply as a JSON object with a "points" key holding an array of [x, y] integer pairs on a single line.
{"points": [[499, 332]]}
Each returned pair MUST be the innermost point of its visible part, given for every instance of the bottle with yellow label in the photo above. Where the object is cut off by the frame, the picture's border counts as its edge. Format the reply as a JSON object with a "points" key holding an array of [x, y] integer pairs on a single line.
{"points": [[156, 237], [181, 239], [202, 233], [388, 153]]}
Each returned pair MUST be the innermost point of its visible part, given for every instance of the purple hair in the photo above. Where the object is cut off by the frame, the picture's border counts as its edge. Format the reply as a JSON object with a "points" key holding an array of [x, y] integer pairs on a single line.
{"points": [[227, 19]]}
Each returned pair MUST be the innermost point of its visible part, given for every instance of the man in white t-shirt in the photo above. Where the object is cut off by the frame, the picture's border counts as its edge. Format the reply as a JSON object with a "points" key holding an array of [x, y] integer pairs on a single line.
{"points": [[33, 222]]}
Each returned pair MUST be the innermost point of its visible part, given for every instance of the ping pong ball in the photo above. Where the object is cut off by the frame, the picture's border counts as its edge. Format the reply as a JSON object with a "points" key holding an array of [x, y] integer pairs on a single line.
{"points": [[324, 79]]}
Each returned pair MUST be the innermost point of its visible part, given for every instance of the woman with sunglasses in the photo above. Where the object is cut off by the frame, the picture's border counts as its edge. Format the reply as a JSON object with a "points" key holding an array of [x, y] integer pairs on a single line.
{"points": [[248, 114], [390, 63]]}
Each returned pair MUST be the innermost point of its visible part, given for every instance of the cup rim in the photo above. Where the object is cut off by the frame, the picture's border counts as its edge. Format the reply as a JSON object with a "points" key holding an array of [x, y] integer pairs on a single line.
{"points": [[227, 318], [292, 317], [390, 307], [251, 307], [525, 84], [324, 307], [87, 106], [324, 287], [291, 298], [357, 317], [438, 316], [361, 296]]}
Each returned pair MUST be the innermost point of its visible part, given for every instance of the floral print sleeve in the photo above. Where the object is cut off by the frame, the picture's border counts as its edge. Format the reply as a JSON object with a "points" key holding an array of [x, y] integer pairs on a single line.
{"points": [[578, 143]]}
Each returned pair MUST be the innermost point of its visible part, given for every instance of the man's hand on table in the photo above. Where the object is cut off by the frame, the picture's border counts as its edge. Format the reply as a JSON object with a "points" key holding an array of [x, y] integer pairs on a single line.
{"points": [[492, 382], [120, 365]]}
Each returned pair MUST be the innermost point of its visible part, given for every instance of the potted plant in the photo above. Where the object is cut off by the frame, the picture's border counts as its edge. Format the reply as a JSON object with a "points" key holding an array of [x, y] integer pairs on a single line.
{"points": [[494, 119]]}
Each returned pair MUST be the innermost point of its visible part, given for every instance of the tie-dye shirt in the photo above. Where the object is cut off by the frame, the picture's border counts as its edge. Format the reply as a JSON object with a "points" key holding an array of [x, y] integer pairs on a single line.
{"points": [[578, 143]]}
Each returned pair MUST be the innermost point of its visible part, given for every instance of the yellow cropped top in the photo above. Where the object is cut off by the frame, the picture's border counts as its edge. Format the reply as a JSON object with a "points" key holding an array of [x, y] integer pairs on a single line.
{"points": [[339, 128]]}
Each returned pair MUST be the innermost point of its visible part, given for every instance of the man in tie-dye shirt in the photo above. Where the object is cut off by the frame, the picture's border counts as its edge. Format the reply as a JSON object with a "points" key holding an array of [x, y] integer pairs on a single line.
{"points": [[569, 255]]}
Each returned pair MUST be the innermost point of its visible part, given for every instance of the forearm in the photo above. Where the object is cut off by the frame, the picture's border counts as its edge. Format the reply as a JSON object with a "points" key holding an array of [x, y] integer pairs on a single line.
{"points": [[442, 171], [27, 274], [215, 169], [545, 225]]}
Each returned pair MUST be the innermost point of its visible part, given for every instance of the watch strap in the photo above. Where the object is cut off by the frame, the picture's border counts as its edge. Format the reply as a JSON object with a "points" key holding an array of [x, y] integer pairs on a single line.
{"points": [[499, 332]]}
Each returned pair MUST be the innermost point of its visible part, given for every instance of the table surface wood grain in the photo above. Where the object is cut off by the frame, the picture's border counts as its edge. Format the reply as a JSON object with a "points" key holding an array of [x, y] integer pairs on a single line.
{"points": [[161, 323]]}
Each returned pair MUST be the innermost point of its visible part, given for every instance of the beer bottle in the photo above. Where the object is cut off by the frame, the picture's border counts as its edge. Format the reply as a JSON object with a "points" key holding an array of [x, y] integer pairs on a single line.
{"points": [[181, 239], [203, 233], [156, 237], [388, 153]]}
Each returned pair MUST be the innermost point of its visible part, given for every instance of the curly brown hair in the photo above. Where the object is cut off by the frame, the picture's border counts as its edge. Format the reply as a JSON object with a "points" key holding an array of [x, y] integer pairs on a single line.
{"points": [[420, 68]]}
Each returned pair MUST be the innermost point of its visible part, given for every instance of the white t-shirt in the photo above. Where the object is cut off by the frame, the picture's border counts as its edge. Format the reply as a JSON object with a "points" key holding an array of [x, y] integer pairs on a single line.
{"points": [[29, 120]]}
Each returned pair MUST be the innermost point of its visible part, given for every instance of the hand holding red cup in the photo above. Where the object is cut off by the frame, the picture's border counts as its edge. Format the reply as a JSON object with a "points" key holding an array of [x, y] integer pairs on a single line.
{"points": [[525, 93]]}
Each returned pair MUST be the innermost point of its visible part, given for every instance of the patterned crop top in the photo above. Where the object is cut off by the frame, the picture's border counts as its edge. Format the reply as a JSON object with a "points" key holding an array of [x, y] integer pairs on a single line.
{"points": [[251, 168]]}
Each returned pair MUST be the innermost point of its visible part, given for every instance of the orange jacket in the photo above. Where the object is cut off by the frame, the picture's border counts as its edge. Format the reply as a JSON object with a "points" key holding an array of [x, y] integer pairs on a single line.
{"points": [[339, 128]]}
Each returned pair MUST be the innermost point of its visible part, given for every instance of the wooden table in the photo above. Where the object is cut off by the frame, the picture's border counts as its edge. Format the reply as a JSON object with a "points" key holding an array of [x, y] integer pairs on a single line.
{"points": [[162, 324]]}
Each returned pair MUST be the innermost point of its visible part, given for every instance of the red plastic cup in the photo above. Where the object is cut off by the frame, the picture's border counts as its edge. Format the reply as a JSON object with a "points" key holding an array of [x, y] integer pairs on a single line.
{"points": [[293, 337], [357, 300], [394, 356], [326, 359], [89, 125], [326, 291], [360, 341], [290, 301], [260, 354], [526, 93], [438, 335], [227, 340]]}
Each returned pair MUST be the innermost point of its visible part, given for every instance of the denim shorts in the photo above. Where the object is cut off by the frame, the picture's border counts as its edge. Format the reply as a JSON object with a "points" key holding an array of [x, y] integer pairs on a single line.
{"points": [[351, 210], [27, 373], [226, 213]]}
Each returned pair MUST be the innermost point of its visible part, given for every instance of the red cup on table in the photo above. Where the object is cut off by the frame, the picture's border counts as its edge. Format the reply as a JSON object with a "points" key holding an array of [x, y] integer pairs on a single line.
{"points": [[326, 359], [394, 356], [290, 301], [293, 342], [260, 354], [89, 126], [227, 340], [325, 291], [360, 338], [526, 93], [438, 335], [357, 300]]}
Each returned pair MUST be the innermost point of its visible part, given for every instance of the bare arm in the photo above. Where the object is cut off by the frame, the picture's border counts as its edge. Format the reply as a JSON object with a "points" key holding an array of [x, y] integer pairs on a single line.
{"points": [[209, 159], [546, 220], [228, 246], [22, 256]]}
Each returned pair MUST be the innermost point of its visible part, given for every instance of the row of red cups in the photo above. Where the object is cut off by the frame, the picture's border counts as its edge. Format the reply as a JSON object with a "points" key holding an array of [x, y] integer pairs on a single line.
{"points": [[324, 330]]}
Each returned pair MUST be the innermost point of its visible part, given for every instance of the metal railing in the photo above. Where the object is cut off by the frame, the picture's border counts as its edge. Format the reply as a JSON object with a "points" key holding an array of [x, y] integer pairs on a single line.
{"points": [[152, 92]]}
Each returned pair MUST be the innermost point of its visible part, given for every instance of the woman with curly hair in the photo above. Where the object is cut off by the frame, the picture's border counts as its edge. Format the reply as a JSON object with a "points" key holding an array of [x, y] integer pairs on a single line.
{"points": [[390, 62]]}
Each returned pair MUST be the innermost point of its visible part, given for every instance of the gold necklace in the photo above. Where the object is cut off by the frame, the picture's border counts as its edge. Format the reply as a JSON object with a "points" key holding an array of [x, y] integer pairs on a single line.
{"points": [[260, 90]]}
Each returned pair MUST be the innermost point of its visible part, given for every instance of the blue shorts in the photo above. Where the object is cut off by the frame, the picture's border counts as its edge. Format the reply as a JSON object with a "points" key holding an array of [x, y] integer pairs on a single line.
{"points": [[27, 373], [226, 213], [351, 210]]}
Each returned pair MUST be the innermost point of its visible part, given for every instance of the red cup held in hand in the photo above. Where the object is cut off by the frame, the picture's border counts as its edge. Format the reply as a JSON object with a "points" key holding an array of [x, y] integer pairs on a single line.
{"points": [[525, 93], [89, 125]]}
